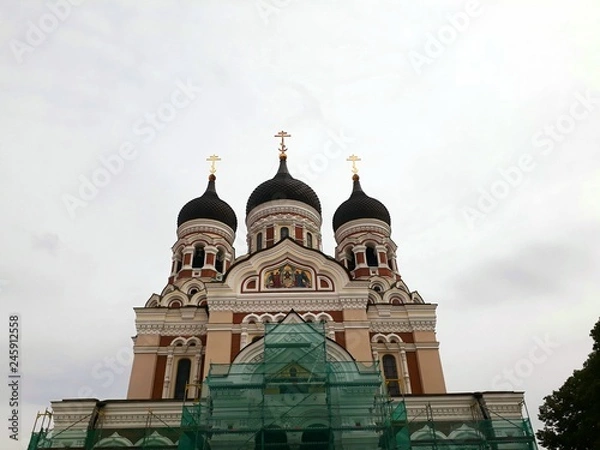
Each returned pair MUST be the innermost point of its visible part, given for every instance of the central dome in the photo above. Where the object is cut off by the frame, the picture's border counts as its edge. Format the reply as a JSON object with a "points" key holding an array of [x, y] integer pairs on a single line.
{"points": [[283, 187]]}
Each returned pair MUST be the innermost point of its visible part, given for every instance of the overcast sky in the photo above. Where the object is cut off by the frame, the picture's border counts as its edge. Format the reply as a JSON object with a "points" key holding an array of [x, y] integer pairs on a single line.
{"points": [[476, 122]]}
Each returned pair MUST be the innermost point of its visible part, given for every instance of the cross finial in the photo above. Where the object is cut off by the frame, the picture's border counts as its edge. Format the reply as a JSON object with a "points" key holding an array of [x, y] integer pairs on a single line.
{"points": [[213, 163], [282, 148], [353, 158]]}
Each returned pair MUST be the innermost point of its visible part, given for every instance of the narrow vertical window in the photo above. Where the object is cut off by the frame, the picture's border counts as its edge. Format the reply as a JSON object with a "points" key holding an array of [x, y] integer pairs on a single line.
{"points": [[219, 261], [178, 268], [351, 260], [390, 371], [259, 241], [309, 242], [198, 259], [182, 378], [372, 257], [284, 232]]}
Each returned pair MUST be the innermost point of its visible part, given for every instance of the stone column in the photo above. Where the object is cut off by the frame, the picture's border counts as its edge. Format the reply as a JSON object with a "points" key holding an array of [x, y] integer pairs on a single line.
{"points": [[405, 374], [188, 256], [381, 251], [168, 369]]}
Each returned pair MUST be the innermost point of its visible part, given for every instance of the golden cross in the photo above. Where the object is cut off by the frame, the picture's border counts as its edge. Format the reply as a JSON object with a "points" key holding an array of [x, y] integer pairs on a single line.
{"points": [[282, 134], [353, 158], [213, 161]]}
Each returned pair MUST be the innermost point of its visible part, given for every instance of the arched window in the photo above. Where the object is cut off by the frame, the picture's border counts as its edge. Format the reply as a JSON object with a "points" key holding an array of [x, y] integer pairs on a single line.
{"points": [[259, 241], [372, 257], [220, 261], [390, 371], [309, 240], [198, 260], [182, 378], [284, 232], [351, 260]]}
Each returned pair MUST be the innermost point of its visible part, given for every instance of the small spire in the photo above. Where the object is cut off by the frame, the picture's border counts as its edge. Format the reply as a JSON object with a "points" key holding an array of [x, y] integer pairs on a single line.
{"points": [[353, 158], [282, 148], [356, 187]]}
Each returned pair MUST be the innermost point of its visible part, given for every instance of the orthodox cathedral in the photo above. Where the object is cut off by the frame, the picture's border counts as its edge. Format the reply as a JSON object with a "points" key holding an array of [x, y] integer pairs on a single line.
{"points": [[285, 347]]}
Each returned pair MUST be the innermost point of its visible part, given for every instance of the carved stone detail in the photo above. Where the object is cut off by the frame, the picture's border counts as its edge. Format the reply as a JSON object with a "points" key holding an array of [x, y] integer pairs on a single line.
{"points": [[171, 329], [405, 326]]}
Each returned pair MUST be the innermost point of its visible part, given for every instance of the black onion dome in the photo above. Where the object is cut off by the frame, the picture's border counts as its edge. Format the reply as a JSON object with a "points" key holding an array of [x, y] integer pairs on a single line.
{"points": [[208, 206], [283, 186], [360, 206]]}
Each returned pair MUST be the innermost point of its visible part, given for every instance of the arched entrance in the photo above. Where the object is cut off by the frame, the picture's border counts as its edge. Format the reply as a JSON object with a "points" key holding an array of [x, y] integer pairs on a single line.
{"points": [[317, 438], [271, 439]]}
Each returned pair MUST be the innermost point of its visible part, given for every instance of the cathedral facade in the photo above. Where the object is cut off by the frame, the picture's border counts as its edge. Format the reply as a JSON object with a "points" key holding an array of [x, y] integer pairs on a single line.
{"points": [[285, 347]]}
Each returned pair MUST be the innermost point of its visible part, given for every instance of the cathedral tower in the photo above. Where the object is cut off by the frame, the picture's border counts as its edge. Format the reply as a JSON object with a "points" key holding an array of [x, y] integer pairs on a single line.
{"points": [[206, 229], [283, 207]]}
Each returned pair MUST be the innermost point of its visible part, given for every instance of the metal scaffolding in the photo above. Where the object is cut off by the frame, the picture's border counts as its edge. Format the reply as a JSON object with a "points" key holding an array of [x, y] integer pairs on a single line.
{"points": [[296, 396]]}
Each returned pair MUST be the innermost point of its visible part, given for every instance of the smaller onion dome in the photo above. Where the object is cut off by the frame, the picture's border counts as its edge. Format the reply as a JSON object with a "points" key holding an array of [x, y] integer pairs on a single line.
{"points": [[208, 206], [360, 206], [283, 186]]}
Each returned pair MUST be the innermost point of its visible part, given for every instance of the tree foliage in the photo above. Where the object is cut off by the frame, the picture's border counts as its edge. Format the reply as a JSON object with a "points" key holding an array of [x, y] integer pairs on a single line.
{"points": [[571, 415]]}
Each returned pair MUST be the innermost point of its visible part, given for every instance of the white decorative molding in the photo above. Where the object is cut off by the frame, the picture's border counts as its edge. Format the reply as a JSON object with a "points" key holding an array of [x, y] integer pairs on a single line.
{"points": [[205, 226], [423, 325], [282, 304], [359, 226], [171, 329], [354, 303], [405, 326], [283, 207]]}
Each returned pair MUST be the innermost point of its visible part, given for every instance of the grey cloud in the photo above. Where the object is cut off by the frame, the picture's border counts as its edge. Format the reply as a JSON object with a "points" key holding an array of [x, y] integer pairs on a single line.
{"points": [[543, 271]]}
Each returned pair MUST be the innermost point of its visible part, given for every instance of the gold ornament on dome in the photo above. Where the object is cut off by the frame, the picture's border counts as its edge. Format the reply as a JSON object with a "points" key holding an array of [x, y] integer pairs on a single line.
{"points": [[353, 158], [282, 148], [213, 163]]}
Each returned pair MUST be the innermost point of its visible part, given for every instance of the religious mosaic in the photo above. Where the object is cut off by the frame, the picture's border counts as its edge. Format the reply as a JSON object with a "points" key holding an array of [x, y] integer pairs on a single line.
{"points": [[287, 276]]}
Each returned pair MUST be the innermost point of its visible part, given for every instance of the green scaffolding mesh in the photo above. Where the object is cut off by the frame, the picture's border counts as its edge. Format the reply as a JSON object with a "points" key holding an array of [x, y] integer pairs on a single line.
{"points": [[298, 394], [295, 397]]}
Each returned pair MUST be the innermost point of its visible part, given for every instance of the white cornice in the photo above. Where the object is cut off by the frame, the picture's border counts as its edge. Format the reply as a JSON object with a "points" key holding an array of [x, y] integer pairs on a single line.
{"points": [[206, 226], [404, 326], [171, 329], [362, 226], [285, 304]]}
